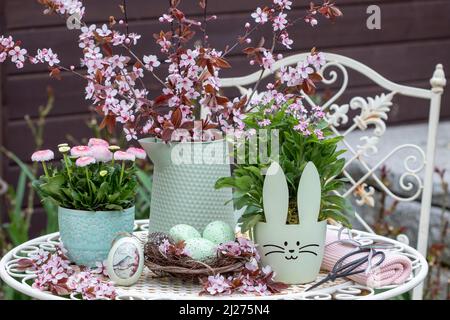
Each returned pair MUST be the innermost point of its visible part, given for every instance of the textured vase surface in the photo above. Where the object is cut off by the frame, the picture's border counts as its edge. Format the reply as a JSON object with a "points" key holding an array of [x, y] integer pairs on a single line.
{"points": [[87, 235], [183, 184]]}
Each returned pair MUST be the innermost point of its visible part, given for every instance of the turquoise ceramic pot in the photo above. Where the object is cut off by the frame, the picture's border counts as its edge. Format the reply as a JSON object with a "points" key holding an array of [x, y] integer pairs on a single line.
{"points": [[87, 235], [183, 190]]}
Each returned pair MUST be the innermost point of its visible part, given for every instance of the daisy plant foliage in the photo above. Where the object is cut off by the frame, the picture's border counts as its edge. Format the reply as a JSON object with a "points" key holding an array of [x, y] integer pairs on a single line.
{"points": [[96, 177]]}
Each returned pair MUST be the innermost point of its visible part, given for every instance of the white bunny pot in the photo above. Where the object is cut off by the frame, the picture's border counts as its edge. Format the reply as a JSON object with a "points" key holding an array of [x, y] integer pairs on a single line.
{"points": [[294, 251]]}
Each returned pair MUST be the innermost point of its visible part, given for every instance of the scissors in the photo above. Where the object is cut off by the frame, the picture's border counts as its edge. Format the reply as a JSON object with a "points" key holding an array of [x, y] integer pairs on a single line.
{"points": [[341, 270]]}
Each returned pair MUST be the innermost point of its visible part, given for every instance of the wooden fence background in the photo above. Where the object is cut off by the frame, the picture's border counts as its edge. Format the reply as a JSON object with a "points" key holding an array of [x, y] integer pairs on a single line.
{"points": [[414, 37]]}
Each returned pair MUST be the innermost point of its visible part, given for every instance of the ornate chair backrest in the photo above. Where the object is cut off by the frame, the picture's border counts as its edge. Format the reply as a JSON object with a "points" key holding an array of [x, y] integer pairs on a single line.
{"points": [[373, 112]]}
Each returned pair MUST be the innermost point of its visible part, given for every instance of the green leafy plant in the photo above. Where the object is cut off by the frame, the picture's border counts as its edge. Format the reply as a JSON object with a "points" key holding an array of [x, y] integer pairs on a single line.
{"points": [[85, 180], [315, 142], [20, 201], [144, 192]]}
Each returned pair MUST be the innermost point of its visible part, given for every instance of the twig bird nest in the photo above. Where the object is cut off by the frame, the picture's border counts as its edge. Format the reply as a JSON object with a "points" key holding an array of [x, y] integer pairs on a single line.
{"points": [[174, 263]]}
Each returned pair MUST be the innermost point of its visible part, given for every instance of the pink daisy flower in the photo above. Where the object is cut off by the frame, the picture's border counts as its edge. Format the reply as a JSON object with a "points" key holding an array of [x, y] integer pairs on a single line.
{"points": [[80, 151], [124, 156], [43, 155], [84, 161], [138, 152], [101, 153], [97, 142]]}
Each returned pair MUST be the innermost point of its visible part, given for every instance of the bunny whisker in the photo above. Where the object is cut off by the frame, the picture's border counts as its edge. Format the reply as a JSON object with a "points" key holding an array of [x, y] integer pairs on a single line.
{"points": [[308, 245], [306, 251], [273, 245], [273, 252]]}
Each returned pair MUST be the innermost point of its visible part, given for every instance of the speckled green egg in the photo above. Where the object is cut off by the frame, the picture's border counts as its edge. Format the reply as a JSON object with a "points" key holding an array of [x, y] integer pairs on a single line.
{"points": [[218, 232], [200, 249], [183, 232]]}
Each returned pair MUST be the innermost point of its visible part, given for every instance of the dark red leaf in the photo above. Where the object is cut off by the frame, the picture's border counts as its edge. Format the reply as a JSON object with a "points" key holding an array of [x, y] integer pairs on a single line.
{"points": [[176, 117], [55, 73]]}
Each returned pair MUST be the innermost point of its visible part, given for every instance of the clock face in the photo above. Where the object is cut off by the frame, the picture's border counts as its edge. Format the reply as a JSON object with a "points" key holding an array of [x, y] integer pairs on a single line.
{"points": [[126, 260]]}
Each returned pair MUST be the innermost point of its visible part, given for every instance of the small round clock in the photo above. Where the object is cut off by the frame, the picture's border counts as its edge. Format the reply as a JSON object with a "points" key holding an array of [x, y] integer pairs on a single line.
{"points": [[125, 261]]}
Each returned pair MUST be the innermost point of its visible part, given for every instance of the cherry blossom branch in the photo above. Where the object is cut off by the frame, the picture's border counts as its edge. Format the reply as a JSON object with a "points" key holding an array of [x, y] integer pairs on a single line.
{"points": [[143, 64], [245, 36], [124, 8], [263, 69], [205, 23]]}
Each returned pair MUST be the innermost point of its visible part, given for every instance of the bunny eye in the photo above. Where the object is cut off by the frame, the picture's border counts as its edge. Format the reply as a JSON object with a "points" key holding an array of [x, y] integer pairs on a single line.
{"points": [[298, 243], [285, 243]]}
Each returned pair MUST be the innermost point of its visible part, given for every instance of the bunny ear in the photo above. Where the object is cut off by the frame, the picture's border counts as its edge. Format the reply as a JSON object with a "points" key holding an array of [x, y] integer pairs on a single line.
{"points": [[309, 194], [275, 195]]}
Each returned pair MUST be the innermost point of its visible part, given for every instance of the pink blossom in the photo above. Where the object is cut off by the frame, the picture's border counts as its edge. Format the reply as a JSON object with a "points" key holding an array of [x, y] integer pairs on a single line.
{"points": [[103, 31], [134, 37], [51, 58], [164, 44], [117, 61], [17, 54], [3, 57], [217, 285], [97, 142], [68, 7], [6, 41], [184, 83], [280, 22], [284, 4], [165, 18], [90, 90], [267, 270], [261, 289], [40, 256], [43, 155], [139, 72], [150, 62], [84, 161], [268, 60], [319, 134], [260, 16], [192, 94], [124, 156], [252, 265], [164, 246], [231, 248], [317, 60], [264, 123], [80, 151], [118, 39], [304, 70], [101, 153], [138, 152], [188, 58], [100, 269], [286, 41], [312, 21], [318, 112], [147, 126], [301, 126], [130, 134]]}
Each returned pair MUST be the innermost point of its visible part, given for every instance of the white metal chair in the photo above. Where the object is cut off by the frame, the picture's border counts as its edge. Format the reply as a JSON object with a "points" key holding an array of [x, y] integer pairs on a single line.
{"points": [[373, 113]]}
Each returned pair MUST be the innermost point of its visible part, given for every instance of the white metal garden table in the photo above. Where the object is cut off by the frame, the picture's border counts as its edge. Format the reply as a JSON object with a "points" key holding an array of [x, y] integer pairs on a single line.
{"points": [[150, 287]]}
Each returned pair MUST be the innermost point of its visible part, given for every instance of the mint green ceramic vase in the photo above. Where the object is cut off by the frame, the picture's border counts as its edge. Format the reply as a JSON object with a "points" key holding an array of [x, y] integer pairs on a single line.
{"points": [[87, 235], [183, 184]]}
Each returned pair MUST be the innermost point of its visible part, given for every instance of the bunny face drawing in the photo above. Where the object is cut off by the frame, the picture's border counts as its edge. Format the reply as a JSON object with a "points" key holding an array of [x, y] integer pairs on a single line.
{"points": [[293, 251]]}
